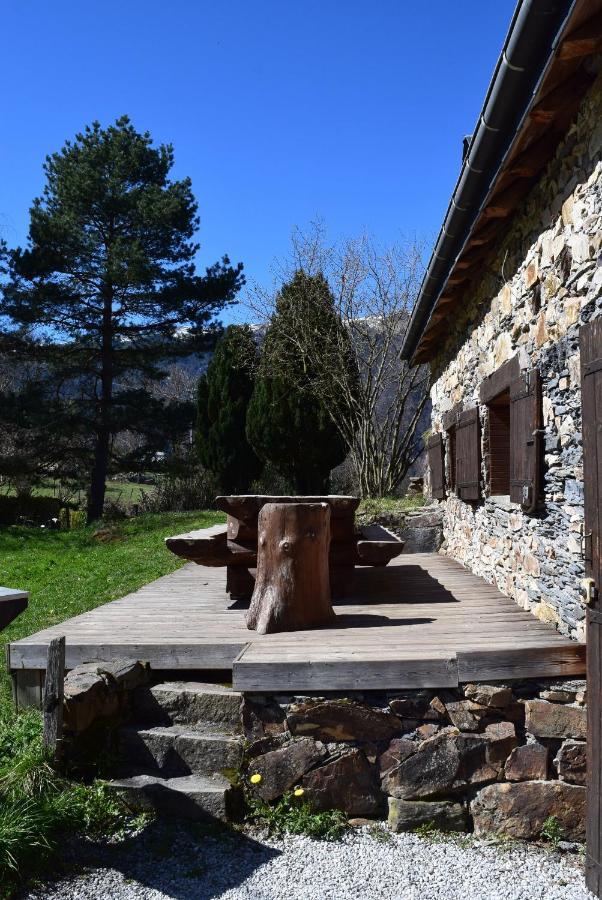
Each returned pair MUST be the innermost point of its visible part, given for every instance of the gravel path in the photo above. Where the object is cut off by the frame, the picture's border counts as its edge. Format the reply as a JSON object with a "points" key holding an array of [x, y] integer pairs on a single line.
{"points": [[174, 862]]}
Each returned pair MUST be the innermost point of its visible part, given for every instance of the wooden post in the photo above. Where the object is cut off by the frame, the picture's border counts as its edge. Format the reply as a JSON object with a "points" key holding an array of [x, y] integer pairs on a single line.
{"points": [[239, 583], [52, 704], [292, 588]]}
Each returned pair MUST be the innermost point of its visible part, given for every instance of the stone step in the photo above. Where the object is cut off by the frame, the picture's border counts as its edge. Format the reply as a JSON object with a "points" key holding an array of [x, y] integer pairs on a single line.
{"points": [[187, 797], [189, 703], [180, 749]]}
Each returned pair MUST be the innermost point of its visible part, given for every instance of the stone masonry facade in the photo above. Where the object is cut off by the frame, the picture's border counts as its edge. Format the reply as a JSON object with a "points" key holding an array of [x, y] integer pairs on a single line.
{"points": [[543, 281], [493, 758]]}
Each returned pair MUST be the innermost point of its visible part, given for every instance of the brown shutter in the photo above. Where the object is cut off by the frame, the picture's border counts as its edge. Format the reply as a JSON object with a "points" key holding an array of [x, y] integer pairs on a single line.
{"points": [[591, 417], [525, 439], [468, 455], [436, 465]]}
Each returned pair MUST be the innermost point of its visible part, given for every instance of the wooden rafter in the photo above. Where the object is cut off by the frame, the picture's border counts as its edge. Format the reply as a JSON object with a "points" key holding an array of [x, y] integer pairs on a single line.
{"points": [[584, 40]]}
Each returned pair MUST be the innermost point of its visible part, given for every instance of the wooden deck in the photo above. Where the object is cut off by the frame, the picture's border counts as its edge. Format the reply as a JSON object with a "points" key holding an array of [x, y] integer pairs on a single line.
{"points": [[424, 621]]}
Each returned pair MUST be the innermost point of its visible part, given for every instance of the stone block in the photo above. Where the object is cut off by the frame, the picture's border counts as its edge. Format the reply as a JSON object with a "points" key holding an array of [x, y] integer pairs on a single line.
{"points": [[555, 720], [405, 815], [87, 698], [348, 783], [281, 769], [527, 763], [428, 730], [501, 741], [341, 720], [519, 810], [465, 714], [571, 761], [497, 696], [398, 750], [445, 763], [125, 674]]}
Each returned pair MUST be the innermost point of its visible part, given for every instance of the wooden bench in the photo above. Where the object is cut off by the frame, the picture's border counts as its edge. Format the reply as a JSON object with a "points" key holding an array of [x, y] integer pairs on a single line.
{"points": [[373, 546], [12, 604], [234, 544]]}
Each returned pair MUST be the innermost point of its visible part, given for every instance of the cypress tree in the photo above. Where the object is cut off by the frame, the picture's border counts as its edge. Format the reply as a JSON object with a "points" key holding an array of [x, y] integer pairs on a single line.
{"points": [[287, 424], [223, 397]]}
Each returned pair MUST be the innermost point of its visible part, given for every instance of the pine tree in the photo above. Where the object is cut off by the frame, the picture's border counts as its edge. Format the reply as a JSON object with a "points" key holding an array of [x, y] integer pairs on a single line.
{"points": [[223, 397], [286, 424], [107, 290]]}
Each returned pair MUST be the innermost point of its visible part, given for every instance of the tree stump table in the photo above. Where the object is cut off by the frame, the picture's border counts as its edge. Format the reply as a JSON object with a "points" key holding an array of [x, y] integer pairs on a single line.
{"points": [[292, 586], [242, 524]]}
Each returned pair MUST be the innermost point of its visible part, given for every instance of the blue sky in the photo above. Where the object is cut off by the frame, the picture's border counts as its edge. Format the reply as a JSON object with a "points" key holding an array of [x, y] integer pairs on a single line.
{"points": [[279, 111]]}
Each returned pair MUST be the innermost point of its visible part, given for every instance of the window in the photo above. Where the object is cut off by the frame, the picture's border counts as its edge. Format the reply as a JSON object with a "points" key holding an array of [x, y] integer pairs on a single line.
{"points": [[499, 444], [451, 458]]}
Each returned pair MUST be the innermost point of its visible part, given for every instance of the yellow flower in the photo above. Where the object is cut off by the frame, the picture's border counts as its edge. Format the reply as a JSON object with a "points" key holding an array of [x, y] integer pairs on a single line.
{"points": [[256, 778], [299, 792]]}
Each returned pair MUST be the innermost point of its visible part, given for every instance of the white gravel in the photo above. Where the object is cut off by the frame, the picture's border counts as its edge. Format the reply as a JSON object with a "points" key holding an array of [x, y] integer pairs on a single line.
{"points": [[173, 862]]}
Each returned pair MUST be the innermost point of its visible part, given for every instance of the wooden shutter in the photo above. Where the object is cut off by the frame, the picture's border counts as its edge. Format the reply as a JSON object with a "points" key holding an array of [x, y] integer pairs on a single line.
{"points": [[468, 455], [436, 465], [525, 439]]}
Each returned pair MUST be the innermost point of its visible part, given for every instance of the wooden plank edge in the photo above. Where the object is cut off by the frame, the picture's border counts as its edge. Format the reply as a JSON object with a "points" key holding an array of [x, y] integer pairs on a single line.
{"points": [[336, 675], [160, 656], [521, 662]]}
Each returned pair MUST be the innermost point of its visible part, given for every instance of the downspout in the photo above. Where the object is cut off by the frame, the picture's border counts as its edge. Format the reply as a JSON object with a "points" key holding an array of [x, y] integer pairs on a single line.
{"points": [[529, 45]]}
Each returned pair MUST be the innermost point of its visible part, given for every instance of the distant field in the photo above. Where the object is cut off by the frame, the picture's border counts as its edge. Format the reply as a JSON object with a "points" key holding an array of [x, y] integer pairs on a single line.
{"points": [[118, 491], [70, 572]]}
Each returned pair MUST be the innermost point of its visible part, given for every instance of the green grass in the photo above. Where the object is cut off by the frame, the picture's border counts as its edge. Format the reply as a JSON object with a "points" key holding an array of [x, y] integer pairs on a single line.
{"points": [[66, 573], [125, 492], [70, 572], [293, 815], [372, 507]]}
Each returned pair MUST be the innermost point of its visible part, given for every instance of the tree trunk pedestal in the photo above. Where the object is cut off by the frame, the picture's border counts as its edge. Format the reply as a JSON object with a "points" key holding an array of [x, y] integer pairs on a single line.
{"points": [[292, 586]]}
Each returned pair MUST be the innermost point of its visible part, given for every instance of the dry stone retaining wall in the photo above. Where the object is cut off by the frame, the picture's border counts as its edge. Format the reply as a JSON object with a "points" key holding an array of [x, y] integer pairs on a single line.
{"points": [[489, 757], [543, 280]]}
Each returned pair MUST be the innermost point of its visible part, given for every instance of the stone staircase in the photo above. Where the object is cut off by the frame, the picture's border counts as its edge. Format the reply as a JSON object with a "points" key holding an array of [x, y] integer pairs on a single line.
{"points": [[180, 756]]}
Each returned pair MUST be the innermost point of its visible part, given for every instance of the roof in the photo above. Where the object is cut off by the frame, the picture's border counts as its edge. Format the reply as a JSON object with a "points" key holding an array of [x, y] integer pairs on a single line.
{"points": [[539, 81]]}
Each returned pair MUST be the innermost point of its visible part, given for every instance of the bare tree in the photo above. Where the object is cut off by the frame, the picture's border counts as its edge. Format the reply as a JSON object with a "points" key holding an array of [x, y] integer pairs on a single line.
{"points": [[376, 401]]}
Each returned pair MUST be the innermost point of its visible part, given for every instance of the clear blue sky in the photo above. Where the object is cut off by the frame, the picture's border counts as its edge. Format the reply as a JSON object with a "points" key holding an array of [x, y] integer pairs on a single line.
{"points": [[279, 111]]}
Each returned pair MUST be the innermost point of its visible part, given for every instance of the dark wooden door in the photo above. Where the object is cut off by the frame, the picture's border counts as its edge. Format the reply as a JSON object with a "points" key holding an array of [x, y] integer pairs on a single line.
{"points": [[591, 400]]}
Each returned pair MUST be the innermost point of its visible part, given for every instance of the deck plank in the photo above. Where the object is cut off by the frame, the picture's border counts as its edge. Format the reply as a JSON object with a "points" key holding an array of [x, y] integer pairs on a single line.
{"points": [[424, 621]]}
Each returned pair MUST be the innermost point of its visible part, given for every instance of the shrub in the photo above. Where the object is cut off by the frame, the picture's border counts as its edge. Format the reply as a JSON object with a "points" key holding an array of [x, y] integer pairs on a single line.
{"points": [[552, 831], [181, 494]]}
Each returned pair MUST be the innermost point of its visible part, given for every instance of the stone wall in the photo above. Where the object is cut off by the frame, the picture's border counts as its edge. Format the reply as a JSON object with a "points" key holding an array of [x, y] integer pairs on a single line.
{"points": [[489, 757], [542, 281]]}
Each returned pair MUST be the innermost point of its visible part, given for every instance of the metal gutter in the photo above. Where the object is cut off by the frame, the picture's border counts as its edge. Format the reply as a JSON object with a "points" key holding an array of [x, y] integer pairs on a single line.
{"points": [[529, 44]]}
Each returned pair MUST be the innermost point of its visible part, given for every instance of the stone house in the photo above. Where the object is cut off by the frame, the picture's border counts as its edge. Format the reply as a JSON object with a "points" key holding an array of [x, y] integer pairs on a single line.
{"points": [[502, 315]]}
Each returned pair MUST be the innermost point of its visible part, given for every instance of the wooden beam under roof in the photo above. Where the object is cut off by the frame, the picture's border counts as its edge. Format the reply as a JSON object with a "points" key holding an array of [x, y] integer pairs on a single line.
{"points": [[534, 158], [505, 202], [567, 94], [583, 40]]}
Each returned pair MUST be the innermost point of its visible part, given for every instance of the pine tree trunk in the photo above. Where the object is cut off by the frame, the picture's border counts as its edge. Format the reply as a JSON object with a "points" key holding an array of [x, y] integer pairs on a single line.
{"points": [[292, 588], [98, 478]]}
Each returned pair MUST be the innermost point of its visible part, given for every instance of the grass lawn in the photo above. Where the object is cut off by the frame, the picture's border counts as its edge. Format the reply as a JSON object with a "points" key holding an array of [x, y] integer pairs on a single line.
{"points": [[66, 573], [70, 572], [372, 507], [124, 492]]}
